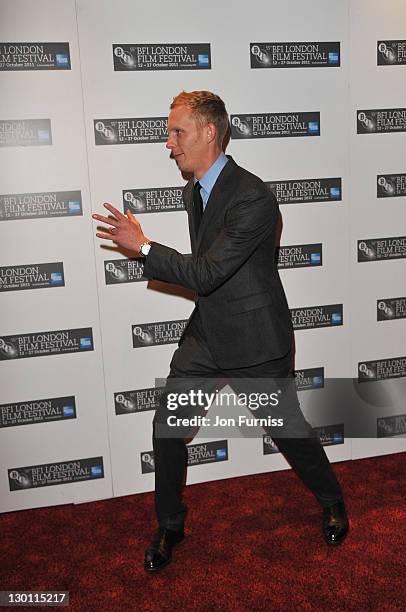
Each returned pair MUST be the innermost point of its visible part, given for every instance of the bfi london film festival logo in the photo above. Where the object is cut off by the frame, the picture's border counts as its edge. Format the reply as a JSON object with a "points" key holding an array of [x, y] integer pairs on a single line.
{"points": [[39, 344], [161, 332], [389, 426], [34, 56], [268, 445], [391, 185], [331, 434], [25, 132], [389, 309], [297, 191], [162, 56], [381, 121], [312, 317], [381, 249], [49, 474], [138, 400], [118, 271], [309, 378], [295, 54], [299, 256], [275, 125], [37, 411], [153, 199], [130, 131], [31, 276], [381, 369], [391, 52], [328, 435], [198, 454], [40, 205]]}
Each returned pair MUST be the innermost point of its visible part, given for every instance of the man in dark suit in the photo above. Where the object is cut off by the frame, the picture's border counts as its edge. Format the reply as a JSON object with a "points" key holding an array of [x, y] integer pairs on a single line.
{"points": [[240, 327]]}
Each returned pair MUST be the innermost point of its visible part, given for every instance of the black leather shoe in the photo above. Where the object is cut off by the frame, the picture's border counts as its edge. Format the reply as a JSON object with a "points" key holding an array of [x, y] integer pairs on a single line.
{"points": [[335, 523], [159, 552]]}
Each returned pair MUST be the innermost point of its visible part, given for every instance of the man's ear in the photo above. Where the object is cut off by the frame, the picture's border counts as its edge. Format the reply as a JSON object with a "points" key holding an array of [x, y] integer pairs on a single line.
{"points": [[211, 132]]}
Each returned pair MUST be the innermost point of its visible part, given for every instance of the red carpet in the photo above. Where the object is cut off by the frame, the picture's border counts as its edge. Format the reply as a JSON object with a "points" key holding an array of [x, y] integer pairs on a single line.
{"points": [[253, 543]]}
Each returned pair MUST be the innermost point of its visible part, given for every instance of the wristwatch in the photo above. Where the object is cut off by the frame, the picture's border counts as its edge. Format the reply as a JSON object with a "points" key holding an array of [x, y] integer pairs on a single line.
{"points": [[144, 249]]}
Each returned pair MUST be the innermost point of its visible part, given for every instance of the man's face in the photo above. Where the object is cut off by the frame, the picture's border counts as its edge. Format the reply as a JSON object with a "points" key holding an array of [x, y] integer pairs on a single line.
{"points": [[188, 142]]}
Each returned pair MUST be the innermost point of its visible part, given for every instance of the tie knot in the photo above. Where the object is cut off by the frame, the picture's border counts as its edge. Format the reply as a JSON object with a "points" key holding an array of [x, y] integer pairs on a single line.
{"points": [[197, 186]]}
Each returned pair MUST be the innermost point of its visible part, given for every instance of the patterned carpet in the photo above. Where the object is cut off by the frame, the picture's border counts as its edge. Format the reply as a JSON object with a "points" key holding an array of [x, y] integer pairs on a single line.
{"points": [[253, 543]]}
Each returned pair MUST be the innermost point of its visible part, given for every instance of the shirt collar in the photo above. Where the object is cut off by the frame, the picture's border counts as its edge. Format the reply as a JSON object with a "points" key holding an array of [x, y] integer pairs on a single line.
{"points": [[210, 177]]}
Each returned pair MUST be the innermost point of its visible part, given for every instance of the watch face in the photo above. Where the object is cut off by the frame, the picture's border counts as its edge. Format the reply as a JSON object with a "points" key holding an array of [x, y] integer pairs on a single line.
{"points": [[145, 249]]}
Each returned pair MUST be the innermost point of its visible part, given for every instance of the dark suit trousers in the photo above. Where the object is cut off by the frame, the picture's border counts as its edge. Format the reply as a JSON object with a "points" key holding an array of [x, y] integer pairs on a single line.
{"points": [[305, 454]]}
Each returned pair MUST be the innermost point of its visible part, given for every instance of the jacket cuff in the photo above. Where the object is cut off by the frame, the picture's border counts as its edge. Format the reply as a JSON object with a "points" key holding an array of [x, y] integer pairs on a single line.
{"points": [[152, 261]]}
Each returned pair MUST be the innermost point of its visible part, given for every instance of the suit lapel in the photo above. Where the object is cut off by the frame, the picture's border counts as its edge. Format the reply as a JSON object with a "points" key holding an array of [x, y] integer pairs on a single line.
{"points": [[218, 198]]}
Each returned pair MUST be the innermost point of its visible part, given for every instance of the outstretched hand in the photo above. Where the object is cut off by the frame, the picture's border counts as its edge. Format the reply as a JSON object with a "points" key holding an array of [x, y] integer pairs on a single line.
{"points": [[124, 230]]}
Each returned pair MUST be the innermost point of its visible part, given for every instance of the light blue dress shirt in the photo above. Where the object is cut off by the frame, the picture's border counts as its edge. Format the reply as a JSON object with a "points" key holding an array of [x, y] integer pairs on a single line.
{"points": [[209, 179]]}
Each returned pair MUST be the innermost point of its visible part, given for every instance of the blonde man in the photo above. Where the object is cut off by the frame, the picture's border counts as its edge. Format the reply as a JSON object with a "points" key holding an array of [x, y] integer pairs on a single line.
{"points": [[241, 326]]}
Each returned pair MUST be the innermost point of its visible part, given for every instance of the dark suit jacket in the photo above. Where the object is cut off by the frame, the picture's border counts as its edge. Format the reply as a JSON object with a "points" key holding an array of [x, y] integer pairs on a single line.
{"points": [[242, 305]]}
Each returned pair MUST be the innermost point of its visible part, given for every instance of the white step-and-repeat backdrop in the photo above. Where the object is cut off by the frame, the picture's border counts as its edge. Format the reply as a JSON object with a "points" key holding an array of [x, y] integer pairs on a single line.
{"points": [[316, 92]]}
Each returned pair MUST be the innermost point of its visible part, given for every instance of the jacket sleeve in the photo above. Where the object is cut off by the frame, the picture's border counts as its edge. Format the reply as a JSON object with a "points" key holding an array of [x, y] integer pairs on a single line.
{"points": [[247, 223]]}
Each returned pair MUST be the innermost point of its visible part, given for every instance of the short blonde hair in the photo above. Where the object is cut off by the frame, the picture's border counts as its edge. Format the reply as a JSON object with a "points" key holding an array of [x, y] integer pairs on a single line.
{"points": [[206, 107]]}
